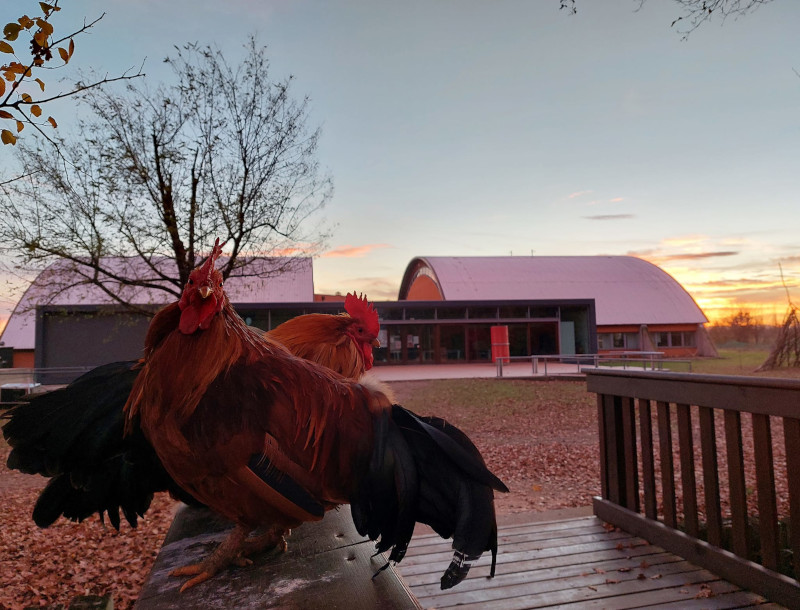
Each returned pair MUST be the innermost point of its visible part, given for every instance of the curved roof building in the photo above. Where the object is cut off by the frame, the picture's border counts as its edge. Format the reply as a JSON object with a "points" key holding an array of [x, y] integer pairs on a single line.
{"points": [[626, 290]]}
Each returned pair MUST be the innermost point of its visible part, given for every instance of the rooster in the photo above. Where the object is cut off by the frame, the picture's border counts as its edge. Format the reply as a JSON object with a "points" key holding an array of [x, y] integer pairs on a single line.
{"points": [[270, 440], [282, 441], [343, 343], [74, 435]]}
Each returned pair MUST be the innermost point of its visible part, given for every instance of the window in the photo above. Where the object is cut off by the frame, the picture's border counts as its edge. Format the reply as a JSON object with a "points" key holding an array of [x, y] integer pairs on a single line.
{"points": [[675, 339], [628, 341]]}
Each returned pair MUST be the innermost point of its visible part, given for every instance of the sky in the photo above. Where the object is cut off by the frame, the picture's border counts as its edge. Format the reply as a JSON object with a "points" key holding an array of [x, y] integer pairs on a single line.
{"points": [[500, 127]]}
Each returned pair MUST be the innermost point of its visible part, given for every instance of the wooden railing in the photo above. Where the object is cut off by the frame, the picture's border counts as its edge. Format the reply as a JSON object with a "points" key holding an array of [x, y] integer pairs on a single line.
{"points": [[726, 495]]}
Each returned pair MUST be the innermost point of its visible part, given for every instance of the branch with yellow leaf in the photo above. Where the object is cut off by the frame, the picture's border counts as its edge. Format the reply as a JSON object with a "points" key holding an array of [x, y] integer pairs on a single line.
{"points": [[20, 104]]}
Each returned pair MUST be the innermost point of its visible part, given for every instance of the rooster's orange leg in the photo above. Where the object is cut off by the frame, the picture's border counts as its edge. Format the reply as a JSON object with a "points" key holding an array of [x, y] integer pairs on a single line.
{"points": [[230, 552], [269, 539]]}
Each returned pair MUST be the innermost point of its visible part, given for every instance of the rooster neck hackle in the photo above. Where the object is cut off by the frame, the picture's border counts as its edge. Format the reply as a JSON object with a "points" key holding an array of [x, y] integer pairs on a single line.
{"points": [[180, 371]]}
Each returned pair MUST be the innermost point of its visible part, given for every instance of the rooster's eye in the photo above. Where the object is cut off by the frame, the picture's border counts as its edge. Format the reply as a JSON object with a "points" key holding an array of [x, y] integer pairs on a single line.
{"points": [[191, 281]]}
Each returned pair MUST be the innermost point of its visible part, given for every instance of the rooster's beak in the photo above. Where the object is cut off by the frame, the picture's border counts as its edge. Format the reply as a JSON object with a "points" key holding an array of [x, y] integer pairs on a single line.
{"points": [[376, 343], [204, 291]]}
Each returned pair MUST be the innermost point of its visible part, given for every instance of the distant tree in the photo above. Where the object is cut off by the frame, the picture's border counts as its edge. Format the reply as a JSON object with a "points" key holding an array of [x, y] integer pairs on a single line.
{"points": [[743, 326], [22, 84], [224, 151]]}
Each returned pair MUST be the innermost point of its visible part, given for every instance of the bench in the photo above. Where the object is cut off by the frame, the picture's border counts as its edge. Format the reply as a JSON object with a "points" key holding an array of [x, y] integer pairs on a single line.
{"points": [[327, 564]]}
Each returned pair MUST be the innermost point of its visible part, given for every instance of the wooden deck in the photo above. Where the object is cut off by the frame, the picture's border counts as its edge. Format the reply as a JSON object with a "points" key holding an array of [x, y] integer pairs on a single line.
{"points": [[570, 563]]}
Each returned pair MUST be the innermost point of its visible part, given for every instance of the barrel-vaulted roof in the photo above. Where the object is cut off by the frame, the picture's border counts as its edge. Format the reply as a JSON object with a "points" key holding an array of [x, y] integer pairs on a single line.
{"points": [[626, 290], [263, 280]]}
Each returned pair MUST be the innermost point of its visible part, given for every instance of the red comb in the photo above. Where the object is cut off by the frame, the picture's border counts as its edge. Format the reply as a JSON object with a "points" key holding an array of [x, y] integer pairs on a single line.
{"points": [[362, 309], [208, 266]]}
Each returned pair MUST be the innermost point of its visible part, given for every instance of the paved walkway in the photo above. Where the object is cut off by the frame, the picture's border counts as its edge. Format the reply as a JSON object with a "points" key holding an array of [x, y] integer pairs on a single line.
{"points": [[414, 372]]}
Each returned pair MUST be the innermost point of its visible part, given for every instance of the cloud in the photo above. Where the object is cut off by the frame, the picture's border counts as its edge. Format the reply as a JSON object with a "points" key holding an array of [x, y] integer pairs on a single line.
{"points": [[610, 217], [578, 194], [352, 251], [616, 200], [376, 288], [687, 256]]}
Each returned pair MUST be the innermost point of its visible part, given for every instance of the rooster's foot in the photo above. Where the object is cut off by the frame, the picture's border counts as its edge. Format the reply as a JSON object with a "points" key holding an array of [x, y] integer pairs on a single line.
{"points": [[229, 552]]}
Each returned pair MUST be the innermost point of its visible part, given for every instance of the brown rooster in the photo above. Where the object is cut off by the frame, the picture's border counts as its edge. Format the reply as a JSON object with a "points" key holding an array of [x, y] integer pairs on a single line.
{"points": [[270, 440], [342, 342]]}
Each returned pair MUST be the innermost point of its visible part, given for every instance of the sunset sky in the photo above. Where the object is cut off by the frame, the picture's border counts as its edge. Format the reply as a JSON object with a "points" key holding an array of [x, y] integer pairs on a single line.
{"points": [[495, 127]]}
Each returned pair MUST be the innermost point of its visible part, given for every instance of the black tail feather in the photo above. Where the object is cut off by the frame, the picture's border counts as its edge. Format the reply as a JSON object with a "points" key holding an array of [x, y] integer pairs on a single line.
{"points": [[75, 435], [427, 470]]}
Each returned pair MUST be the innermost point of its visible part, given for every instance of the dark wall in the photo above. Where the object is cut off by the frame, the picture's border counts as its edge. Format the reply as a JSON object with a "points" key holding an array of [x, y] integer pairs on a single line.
{"points": [[88, 338]]}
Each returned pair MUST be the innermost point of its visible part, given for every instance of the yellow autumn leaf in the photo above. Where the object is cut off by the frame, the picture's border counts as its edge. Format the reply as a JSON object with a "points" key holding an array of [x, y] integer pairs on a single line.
{"points": [[52, 121], [5, 115], [26, 98], [26, 22], [71, 47], [5, 47], [36, 111], [46, 8], [20, 126], [41, 83], [41, 38], [64, 54], [2, 87], [7, 137]]}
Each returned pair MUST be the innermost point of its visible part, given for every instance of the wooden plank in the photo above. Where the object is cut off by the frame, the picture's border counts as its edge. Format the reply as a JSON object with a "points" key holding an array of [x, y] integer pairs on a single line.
{"points": [[533, 596], [721, 600], [422, 545], [648, 463], [708, 446], [614, 456], [739, 393], [738, 493], [791, 434], [566, 570], [667, 467], [703, 596], [601, 432], [765, 484], [686, 453], [630, 461], [530, 563], [740, 571], [564, 546]]}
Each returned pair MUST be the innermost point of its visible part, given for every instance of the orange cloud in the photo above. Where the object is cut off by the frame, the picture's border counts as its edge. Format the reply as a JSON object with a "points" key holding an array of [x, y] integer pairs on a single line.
{"points": [[352, 251], [578, 194]]}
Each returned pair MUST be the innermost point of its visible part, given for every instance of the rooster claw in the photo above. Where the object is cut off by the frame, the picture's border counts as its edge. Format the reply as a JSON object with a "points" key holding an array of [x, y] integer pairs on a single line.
{"points": [[196, 570]]}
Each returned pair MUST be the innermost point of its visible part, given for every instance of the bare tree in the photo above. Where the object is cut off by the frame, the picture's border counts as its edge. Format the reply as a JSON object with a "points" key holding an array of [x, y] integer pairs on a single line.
{"points": [[157, 175]]}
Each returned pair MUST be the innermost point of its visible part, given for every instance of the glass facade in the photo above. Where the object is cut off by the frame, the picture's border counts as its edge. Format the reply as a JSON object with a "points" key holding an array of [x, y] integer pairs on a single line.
{"points": [[426, 332]]}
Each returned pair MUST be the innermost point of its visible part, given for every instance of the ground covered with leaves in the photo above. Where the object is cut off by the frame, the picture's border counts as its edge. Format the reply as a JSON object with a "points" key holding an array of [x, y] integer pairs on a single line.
{"points": [[538, 437]]}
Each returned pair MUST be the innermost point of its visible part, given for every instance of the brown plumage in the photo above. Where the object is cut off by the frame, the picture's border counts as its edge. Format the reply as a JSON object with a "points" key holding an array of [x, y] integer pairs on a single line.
{"points": [[342, 343], [271, 440]]}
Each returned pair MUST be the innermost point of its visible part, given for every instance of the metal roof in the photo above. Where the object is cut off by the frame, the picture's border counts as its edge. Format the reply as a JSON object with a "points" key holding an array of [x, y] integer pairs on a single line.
{"points": [[267, 280], [626, 290]]}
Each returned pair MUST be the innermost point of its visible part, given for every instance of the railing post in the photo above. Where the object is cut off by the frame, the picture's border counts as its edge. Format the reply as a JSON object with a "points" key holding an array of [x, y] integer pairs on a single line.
{"points": [[499, 365]]}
